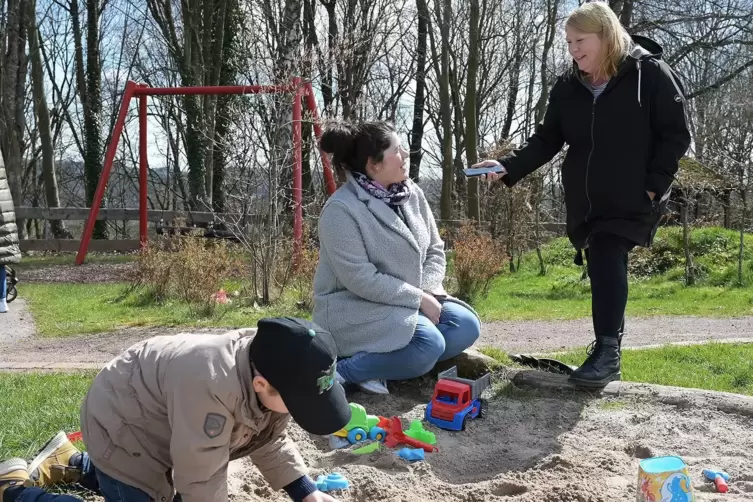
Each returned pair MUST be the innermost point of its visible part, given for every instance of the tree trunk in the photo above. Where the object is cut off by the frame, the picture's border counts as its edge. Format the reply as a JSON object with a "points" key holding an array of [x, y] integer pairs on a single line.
{"points": [[689, 267], [741, 254], [471, 111], [512, 92], [551, 29], [417, 131], [43, 124], [307, 128], [626, 16], [214, 63], [286, 66], [88, 83], [446, 112], [328, 66], [624, 10], [541, 104], [219, 157], [727, 208], [190, 76], [222, 115], [12, 94]]}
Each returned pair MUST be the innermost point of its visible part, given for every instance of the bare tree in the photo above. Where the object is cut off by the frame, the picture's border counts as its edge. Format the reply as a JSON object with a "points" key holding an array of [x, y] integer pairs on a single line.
{"points": [[12, 94], [444, 18], [197, 52], [471, 112], [43, 123], [417, 130]]}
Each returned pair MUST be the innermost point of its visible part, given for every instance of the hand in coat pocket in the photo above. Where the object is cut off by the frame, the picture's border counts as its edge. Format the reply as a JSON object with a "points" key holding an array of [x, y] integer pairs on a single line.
{"points": [[431, 307]]}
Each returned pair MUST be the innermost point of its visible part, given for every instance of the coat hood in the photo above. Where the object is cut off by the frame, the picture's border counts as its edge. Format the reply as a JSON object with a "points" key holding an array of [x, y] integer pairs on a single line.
{"points": [[644, 47]]}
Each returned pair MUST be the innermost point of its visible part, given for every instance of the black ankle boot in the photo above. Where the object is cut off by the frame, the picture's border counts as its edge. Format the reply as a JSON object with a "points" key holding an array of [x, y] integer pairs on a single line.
{"points": [[602, 365]]}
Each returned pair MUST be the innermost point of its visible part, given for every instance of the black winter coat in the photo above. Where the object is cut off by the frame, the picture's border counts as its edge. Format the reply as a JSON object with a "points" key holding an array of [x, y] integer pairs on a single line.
{"points": [[622, 144]]}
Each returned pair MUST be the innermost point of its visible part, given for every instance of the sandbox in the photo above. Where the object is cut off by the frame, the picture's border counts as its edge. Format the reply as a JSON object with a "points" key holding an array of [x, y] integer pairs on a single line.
{"points": [[530, 446]]}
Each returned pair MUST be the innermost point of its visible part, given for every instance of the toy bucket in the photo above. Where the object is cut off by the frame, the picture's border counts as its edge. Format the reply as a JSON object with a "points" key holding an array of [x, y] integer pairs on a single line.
{"points": [[664, 479]]}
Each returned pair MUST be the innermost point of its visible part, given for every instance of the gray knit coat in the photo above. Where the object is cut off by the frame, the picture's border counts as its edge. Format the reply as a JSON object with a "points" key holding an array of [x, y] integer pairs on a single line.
{"points": [[373, 268]]}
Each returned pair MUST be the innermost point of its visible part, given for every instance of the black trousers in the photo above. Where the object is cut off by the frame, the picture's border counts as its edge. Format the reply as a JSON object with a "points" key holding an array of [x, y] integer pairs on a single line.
{"points": [[607, 259]]}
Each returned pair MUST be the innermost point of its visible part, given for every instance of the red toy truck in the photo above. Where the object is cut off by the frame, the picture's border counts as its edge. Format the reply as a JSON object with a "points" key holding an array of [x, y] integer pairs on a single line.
{"points": [[455, 400]]}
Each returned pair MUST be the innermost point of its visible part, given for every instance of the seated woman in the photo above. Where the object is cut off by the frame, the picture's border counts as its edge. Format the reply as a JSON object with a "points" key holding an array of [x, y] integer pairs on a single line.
{"points": [[378, 286]]}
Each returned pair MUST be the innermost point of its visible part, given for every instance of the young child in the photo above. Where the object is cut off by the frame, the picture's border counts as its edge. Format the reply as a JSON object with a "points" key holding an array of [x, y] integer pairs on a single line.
{"points": [[167, 416]]}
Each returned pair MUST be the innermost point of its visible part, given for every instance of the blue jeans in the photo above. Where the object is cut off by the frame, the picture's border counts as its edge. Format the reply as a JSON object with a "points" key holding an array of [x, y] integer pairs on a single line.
{"points": [[92, 479], [3, 279], [457, 330]]}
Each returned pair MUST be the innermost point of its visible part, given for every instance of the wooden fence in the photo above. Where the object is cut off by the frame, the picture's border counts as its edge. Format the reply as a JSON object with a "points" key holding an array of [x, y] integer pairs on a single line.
{"points": [[155, 216]]}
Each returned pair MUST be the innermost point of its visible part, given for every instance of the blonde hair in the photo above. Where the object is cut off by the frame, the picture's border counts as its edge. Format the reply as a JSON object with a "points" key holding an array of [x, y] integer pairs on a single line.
{"points": [[598, 18]]}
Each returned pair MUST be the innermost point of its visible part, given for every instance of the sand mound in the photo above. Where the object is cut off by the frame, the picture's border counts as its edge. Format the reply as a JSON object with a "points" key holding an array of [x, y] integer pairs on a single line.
{"points": [[530, 447]]}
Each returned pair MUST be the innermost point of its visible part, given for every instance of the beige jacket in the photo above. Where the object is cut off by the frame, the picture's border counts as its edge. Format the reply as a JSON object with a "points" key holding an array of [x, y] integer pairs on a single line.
{"points": [[172, 411]]}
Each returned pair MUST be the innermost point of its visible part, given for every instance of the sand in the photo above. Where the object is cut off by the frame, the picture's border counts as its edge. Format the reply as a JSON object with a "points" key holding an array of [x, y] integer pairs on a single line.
{"points": [[530, 447]]}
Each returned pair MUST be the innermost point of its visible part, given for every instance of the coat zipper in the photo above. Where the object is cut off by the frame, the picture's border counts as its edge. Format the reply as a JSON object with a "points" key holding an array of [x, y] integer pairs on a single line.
{"points": [[588, 163]]}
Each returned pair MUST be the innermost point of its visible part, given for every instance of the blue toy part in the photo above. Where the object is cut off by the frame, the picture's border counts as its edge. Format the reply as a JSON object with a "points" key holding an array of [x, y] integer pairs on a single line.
{"points": [[335, 442], [711, 474], [411, 454], [334, 481], [356, 435], [377, 433], [457, 424]]}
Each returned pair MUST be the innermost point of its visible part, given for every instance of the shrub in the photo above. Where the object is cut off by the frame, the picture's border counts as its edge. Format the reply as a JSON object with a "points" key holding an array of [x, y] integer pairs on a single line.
{"points": [[199, 270], [187, 268], [154, 266], [303, 278], [477, 260]]}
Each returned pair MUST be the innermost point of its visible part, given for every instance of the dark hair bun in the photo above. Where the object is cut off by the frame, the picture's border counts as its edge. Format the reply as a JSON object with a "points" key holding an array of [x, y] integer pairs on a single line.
{"points": [[353, 145], [338, 139]]}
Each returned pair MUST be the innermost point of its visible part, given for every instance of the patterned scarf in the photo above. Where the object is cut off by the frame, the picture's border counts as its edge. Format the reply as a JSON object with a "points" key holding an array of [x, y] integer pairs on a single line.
{"points": [[395, 195]]}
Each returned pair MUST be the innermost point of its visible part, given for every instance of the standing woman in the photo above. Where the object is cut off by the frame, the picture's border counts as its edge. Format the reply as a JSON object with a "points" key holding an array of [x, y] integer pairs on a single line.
{"points": [[9, 250], [621, 112]]}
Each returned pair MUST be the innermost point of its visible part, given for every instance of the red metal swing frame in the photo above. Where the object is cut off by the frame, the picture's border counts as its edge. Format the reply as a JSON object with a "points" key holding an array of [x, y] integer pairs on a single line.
{"points": [[297, 87]]}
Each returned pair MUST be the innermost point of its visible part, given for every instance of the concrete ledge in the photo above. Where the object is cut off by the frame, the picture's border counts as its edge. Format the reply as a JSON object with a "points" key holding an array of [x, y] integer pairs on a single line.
{"points": [[678, 396]]}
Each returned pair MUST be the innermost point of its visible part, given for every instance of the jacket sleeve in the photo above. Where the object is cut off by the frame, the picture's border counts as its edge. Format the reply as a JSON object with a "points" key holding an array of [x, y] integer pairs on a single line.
{"points": [[540, 148], [276, 456], [200, 428], [340, 239], [669, 128], [9, 251], [435, 264]]}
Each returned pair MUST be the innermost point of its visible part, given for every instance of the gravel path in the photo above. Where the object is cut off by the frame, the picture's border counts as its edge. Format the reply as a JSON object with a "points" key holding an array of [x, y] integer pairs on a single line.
{"points": [[548, 336], [16, 324], [88, 273], [19, 346]]}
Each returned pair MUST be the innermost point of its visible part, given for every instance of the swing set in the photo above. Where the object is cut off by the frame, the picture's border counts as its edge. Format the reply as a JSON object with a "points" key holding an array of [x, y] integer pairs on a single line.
{"points": [[298, 88]]}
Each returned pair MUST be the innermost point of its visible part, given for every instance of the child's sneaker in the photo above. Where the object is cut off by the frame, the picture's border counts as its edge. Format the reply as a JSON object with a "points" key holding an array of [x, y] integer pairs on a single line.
{"points": [[3, 306], [13, 472], [52, 465], [374, 386]]}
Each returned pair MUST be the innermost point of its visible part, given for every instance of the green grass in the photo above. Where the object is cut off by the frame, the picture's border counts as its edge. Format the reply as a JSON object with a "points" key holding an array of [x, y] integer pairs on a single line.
{"points": [[722, 367], [656, 288], [562, 295], [657, 285], [70, 309], [37, 406]]}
